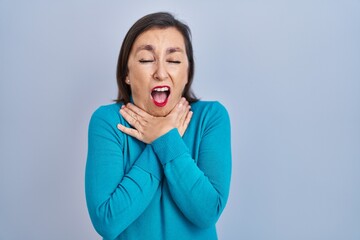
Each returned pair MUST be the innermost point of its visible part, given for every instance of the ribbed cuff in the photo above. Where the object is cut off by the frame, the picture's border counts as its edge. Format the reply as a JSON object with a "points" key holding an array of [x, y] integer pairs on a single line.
{"points": [[149, 163], [169, 146]]}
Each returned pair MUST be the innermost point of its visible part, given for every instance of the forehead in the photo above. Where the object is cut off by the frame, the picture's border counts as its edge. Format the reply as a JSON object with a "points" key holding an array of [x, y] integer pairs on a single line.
{"points": [[160, 38]]}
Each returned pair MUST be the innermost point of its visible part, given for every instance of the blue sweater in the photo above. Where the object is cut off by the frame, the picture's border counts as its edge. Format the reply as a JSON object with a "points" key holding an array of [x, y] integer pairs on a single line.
{"points": [[174, 188]]}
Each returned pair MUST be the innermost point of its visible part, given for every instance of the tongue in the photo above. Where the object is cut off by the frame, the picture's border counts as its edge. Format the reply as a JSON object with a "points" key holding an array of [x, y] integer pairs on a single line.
{"points": [[159, 97]]}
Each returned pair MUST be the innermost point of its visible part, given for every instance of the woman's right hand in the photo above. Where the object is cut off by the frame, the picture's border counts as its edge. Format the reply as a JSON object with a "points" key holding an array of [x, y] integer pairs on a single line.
{"points": [[147, 128]]}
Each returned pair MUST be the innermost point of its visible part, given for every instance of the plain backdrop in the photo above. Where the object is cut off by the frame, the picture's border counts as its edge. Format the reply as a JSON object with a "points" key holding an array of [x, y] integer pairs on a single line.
{"points": [[287, 71]]}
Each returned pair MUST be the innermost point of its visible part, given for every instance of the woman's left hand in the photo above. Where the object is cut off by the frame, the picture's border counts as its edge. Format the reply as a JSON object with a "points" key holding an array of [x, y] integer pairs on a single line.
{"points": [[147, 128]]}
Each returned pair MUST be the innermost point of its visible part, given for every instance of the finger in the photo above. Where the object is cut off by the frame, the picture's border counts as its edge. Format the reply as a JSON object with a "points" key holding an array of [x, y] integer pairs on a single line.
{"points": [[187, 119], [184, 105], [185, 124], [137, 110], [182, 116], [130, 112], [184, 111], [182, 102], [179, 108], [130, 131], [131, 118]]}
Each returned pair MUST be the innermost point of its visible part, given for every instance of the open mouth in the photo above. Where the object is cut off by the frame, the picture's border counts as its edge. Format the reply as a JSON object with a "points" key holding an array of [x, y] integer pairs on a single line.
{"points": [[160, 95]]}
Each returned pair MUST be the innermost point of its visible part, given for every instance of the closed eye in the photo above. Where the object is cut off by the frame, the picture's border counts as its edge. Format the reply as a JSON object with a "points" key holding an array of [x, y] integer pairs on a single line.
{"points": [[176, 62], [145, 61]]}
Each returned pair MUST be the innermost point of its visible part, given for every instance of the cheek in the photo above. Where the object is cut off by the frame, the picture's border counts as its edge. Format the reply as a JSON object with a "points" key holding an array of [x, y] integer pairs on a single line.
{"points": [[137, 81], [138, 91], [184, 78], [180, 88], [185, 74], [182, 75]]}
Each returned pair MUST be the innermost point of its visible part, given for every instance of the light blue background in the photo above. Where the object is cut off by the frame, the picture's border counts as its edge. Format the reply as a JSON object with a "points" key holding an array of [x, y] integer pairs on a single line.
{"points": [[287, 71]]}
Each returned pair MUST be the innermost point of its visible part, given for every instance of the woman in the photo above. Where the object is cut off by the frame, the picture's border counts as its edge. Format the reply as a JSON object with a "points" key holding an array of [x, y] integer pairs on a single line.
{"points": [[159, 160]]}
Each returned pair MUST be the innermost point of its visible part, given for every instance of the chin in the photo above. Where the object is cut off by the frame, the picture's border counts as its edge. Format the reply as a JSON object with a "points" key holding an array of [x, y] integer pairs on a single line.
{"points": [[160, 112], [163, 111]]}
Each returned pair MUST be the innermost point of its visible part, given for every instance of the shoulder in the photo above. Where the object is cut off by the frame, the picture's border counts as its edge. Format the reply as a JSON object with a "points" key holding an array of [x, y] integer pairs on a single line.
{"points": [[109, 111], [106, 114], [209, 108], [102, 130], [209, 115]]}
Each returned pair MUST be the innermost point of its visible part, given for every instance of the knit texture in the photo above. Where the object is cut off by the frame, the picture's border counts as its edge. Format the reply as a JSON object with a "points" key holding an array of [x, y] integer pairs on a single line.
{"points": [[174, 188]]}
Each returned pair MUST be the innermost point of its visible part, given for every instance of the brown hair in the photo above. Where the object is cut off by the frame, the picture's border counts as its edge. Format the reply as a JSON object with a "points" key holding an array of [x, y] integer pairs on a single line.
{"points": [[154, 20]]}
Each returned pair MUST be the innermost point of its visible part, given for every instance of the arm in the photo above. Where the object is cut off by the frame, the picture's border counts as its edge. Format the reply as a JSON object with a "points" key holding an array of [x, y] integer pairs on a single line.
{"points": [[116, 199], [199, 189]]}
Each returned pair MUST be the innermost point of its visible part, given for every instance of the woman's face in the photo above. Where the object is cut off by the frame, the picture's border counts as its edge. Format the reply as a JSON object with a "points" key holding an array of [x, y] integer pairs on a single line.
{"points": [[158, 70]]}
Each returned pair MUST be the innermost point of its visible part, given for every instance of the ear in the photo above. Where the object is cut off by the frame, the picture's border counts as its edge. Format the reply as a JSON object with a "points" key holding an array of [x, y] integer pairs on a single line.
{"points": [[127, 80]]}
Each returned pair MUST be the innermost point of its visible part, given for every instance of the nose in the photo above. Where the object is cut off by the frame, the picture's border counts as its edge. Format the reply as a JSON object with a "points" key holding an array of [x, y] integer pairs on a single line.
{"points": [[160, 73]]}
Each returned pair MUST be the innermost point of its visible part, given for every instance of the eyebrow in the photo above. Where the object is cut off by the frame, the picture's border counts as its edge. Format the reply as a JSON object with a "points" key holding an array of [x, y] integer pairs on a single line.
{"points": [[145, 47], [174, 49], [150, 48]]}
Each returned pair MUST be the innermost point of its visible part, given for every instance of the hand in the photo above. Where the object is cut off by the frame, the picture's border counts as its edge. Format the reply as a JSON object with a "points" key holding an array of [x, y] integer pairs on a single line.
{"points": [[147, 128]]}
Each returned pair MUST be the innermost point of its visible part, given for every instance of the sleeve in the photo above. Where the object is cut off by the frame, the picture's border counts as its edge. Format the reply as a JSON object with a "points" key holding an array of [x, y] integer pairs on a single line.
{"points": [[199, 190], [115, 199]]}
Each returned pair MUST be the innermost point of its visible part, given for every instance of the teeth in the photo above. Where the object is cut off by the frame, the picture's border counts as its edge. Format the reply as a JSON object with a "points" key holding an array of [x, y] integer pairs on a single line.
{"points": [[163, 89]]}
